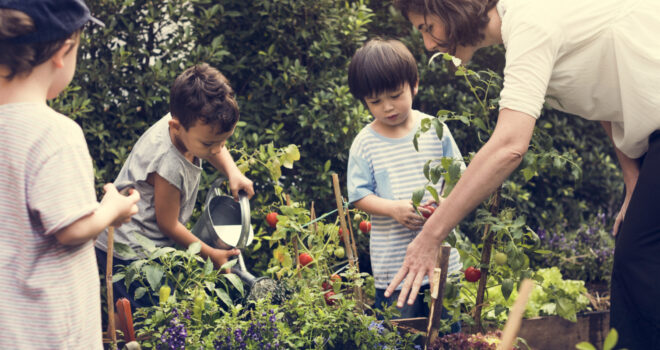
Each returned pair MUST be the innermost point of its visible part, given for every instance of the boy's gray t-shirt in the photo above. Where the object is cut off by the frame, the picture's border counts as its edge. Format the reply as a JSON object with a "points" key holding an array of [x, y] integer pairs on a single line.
{"points": [[154, 153]]}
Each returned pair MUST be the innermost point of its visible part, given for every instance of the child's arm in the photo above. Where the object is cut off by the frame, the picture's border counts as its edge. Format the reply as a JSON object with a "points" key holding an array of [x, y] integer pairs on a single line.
{"points": [[114, 210], [226, 165], [167, 199], [400, 210]]}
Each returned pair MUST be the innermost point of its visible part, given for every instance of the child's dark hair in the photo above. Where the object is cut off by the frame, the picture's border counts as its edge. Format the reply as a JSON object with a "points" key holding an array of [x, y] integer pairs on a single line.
{"points": [[381, 66], [202, 93], [20, 59]]}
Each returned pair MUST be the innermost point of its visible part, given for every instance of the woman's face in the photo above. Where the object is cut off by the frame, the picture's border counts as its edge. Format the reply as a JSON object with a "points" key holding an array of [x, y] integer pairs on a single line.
{"points": [[433, 33]]}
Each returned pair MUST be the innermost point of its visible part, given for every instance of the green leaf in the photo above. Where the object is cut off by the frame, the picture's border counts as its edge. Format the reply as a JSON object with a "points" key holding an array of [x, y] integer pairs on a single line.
{"points": [[427, 166], [208, 267], [584, 346], [417, 196], [194, 248], [154, 275], [436, 174], [235, 281], [611, 339], [229, 264], [507, 288], [125, 251], [433, 193], [438, 128], [222, 294], [416, 141], [139, 293], [145, 242]]}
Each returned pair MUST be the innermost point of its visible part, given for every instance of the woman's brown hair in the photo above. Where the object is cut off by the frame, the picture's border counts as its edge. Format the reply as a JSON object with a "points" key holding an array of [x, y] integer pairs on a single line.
{"points": [[464, 20], [19, 59]]}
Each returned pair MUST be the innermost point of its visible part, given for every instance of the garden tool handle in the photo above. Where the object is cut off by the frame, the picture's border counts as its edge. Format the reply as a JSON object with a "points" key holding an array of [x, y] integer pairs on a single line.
{"points": [[245, 220]]}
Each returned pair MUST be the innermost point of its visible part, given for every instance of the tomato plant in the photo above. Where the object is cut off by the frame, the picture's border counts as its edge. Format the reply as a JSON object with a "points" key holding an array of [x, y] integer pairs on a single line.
{"points": [[365, 226], [271, 219]]}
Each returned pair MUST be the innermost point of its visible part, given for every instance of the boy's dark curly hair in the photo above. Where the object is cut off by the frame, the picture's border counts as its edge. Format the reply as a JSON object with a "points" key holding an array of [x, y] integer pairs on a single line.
{"points": [[202, 93]]}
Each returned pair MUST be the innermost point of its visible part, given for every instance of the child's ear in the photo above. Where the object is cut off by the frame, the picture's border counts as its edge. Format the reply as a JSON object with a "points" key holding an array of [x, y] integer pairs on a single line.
{"points": [[175, 124], [415, 89], [66, 49]]}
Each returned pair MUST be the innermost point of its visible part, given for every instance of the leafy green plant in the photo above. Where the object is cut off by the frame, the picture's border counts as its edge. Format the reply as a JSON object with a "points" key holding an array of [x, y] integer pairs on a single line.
{"points": [[609, 343]]}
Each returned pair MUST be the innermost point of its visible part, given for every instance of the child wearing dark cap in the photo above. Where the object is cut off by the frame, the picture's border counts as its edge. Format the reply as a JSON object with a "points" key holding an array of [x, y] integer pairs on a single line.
{"points": [[49, 284]]}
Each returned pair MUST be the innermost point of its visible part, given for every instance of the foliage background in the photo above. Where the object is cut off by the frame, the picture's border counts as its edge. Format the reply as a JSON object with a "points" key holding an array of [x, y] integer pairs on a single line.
{"points": [[287, 61]]}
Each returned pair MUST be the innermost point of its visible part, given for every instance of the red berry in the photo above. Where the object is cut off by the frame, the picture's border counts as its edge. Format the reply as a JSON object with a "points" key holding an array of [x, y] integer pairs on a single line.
{"points": [[271, 219], [430, 209], [305, 259], [365, 226], [326, 285], [472, 274], [335, 278], [328, 300]]}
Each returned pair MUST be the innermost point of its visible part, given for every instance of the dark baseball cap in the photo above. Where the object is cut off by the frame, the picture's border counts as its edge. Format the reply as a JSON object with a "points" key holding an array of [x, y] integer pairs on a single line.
{"points": [[53, 19]]}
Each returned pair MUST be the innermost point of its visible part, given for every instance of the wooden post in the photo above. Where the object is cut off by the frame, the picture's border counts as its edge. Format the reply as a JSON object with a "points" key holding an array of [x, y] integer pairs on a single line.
{"points": [[488, 238], [108, 282], [437, 293], [515, 315], [342, 220], [294, 241], [312, 217]]}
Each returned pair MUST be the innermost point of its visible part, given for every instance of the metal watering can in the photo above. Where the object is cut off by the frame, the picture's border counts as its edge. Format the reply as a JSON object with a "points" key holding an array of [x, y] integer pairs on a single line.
{"points": [[226, 224]]}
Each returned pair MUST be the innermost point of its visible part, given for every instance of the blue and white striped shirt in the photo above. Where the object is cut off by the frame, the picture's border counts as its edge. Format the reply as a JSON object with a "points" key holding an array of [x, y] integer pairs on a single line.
{"points": [[392, 169]]}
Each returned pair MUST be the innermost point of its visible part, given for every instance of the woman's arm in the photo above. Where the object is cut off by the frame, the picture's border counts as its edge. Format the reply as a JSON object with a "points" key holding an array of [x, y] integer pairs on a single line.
{"points": [[630, 170], [494, 162]]}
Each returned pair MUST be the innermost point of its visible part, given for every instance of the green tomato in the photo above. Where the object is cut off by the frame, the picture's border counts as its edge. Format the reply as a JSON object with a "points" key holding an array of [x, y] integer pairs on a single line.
{"points": [[500, 258], [340, 252]]}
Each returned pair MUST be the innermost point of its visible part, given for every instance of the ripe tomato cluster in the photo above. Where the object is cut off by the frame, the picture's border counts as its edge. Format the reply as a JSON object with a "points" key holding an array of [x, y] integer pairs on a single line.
{"points": [[472, 274]]}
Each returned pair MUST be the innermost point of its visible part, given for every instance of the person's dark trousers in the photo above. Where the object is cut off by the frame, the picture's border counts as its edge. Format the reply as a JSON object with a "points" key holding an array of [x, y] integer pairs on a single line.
{"points": [[635, 299], [119, 288], [418, 309]]}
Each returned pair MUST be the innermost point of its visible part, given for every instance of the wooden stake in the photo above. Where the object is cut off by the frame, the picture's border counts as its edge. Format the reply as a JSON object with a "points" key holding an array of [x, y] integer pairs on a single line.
{"points": [[342, 220], [294, 241], [515, 315], [108, 282], [437, 293], [488, 238], [312, 217]]}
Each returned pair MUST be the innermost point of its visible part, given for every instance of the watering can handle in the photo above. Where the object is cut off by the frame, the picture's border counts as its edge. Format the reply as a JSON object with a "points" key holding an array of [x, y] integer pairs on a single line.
{"points": [[213, 190], [245, 219]]}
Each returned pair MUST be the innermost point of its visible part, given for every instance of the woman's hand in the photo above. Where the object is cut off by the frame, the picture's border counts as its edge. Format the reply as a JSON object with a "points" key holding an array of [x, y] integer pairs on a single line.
{"points": [[420, 260]]}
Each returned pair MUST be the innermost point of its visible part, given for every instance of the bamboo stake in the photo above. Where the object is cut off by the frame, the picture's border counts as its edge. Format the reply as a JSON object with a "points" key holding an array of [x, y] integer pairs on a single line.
{"points": [[294, 241], [108, 282], [437, 294], [488, 238], [353, 242], [515, 315], [312, 217], [342, 220]]}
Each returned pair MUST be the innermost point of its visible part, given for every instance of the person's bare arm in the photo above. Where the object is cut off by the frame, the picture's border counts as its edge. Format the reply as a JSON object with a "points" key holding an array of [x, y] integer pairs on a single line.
{"points": [[400, 210], [226, 165], [167, 199], [630, 170], [494, 162], [114, 210]]}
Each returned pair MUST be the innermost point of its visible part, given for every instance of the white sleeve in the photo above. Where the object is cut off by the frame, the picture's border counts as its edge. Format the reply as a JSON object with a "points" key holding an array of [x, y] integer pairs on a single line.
{"points": [[531, 51]]}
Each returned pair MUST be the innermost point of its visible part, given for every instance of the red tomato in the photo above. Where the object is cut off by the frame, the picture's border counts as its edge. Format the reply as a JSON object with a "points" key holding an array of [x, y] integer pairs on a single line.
{"points": [[305, 259], [365, 226], [472, 274], [430, 208], [271, 219], [335, 278], [327, 298], [326, 285]]}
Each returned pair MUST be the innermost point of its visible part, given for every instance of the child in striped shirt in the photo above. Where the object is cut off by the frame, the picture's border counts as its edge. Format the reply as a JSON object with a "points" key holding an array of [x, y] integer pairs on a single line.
{"points": [[49, 284], [383, 166]]}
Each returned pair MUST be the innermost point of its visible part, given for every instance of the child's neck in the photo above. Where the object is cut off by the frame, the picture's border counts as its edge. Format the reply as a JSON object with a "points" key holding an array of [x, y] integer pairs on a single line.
{"points": [[32, 88], [182, 148], [395, 131]]}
